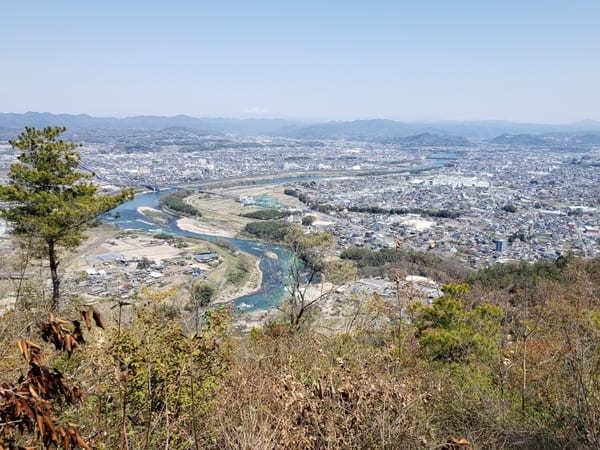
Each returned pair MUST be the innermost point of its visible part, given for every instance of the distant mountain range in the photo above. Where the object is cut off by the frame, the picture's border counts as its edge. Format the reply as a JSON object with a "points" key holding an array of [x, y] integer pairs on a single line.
{"points": [[429, 140], [518, 139], [548, 139], [380, 129], [247, 127], [451, 133]]}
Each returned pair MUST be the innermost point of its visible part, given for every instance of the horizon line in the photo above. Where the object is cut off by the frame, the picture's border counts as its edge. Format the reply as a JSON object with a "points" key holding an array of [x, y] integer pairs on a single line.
{"points": [[292, 119]]}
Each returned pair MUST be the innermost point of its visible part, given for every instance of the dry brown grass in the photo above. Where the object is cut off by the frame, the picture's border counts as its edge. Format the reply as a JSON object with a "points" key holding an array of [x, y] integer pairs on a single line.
{"points": [[295, 391]]}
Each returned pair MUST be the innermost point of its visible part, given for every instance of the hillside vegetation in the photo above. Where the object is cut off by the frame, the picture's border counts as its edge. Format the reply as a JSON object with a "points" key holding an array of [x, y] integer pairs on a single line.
{"points": [[509, 359], [387, 261]]}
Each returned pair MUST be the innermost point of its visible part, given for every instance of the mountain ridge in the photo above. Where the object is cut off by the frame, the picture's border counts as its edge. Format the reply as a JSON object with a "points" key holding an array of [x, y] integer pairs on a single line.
{"points": [[379, 130]]}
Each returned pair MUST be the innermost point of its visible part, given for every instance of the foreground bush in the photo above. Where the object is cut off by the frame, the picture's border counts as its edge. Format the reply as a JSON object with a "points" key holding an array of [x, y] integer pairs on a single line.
{"points": [[308, 392]]}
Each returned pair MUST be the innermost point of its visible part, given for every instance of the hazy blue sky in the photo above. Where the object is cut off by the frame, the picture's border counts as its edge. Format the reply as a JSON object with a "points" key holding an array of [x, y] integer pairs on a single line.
{"points": [[408, 60]]}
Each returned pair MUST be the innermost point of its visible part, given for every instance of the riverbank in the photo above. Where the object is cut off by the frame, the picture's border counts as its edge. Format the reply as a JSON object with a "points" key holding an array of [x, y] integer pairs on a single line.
{"points": [[270, 254], [251, 286], [155, 215], [146, 209], [262, 294], [195, 226]]}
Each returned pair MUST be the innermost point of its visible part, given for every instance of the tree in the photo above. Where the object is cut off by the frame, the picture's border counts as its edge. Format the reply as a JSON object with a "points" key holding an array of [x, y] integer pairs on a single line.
{"points": [[510, 208], [308, 220], [450, 333], [51, 201], [311, 263], [201, 293], [155, 382]]}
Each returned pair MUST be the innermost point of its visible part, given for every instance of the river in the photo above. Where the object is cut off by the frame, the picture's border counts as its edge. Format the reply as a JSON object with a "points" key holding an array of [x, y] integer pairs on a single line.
{"points": [[272, 290], [275, 271]]}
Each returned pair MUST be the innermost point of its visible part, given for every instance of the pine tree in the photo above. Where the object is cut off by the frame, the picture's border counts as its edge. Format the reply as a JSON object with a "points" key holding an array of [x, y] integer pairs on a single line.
{"points": [[52, 203]]}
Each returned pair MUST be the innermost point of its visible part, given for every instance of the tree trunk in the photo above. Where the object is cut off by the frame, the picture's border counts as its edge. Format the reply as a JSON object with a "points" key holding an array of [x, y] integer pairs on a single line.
{"points": [[54, 275], [524, 385]]}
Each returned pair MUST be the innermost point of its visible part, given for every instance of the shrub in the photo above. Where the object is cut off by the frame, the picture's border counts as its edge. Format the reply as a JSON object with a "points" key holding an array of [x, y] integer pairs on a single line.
{"points": [[272, 231], [308, 220], [175, 202], [267, 214]]}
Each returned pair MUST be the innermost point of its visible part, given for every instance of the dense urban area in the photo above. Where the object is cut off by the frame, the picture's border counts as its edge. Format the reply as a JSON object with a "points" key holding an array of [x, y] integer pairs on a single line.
{"points": [[481, 201]]}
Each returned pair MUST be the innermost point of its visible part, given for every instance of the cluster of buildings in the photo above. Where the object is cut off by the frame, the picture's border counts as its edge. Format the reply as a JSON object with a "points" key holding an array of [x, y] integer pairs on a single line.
{"points": [[484, 206], [483, 203], [161, 159], [117, 275]]}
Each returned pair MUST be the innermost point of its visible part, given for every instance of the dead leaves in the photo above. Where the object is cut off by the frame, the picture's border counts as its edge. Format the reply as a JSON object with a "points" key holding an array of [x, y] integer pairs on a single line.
{"points": [[56, 331], [27, 405], [29, 350], [85, 316], [98, 319]]}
